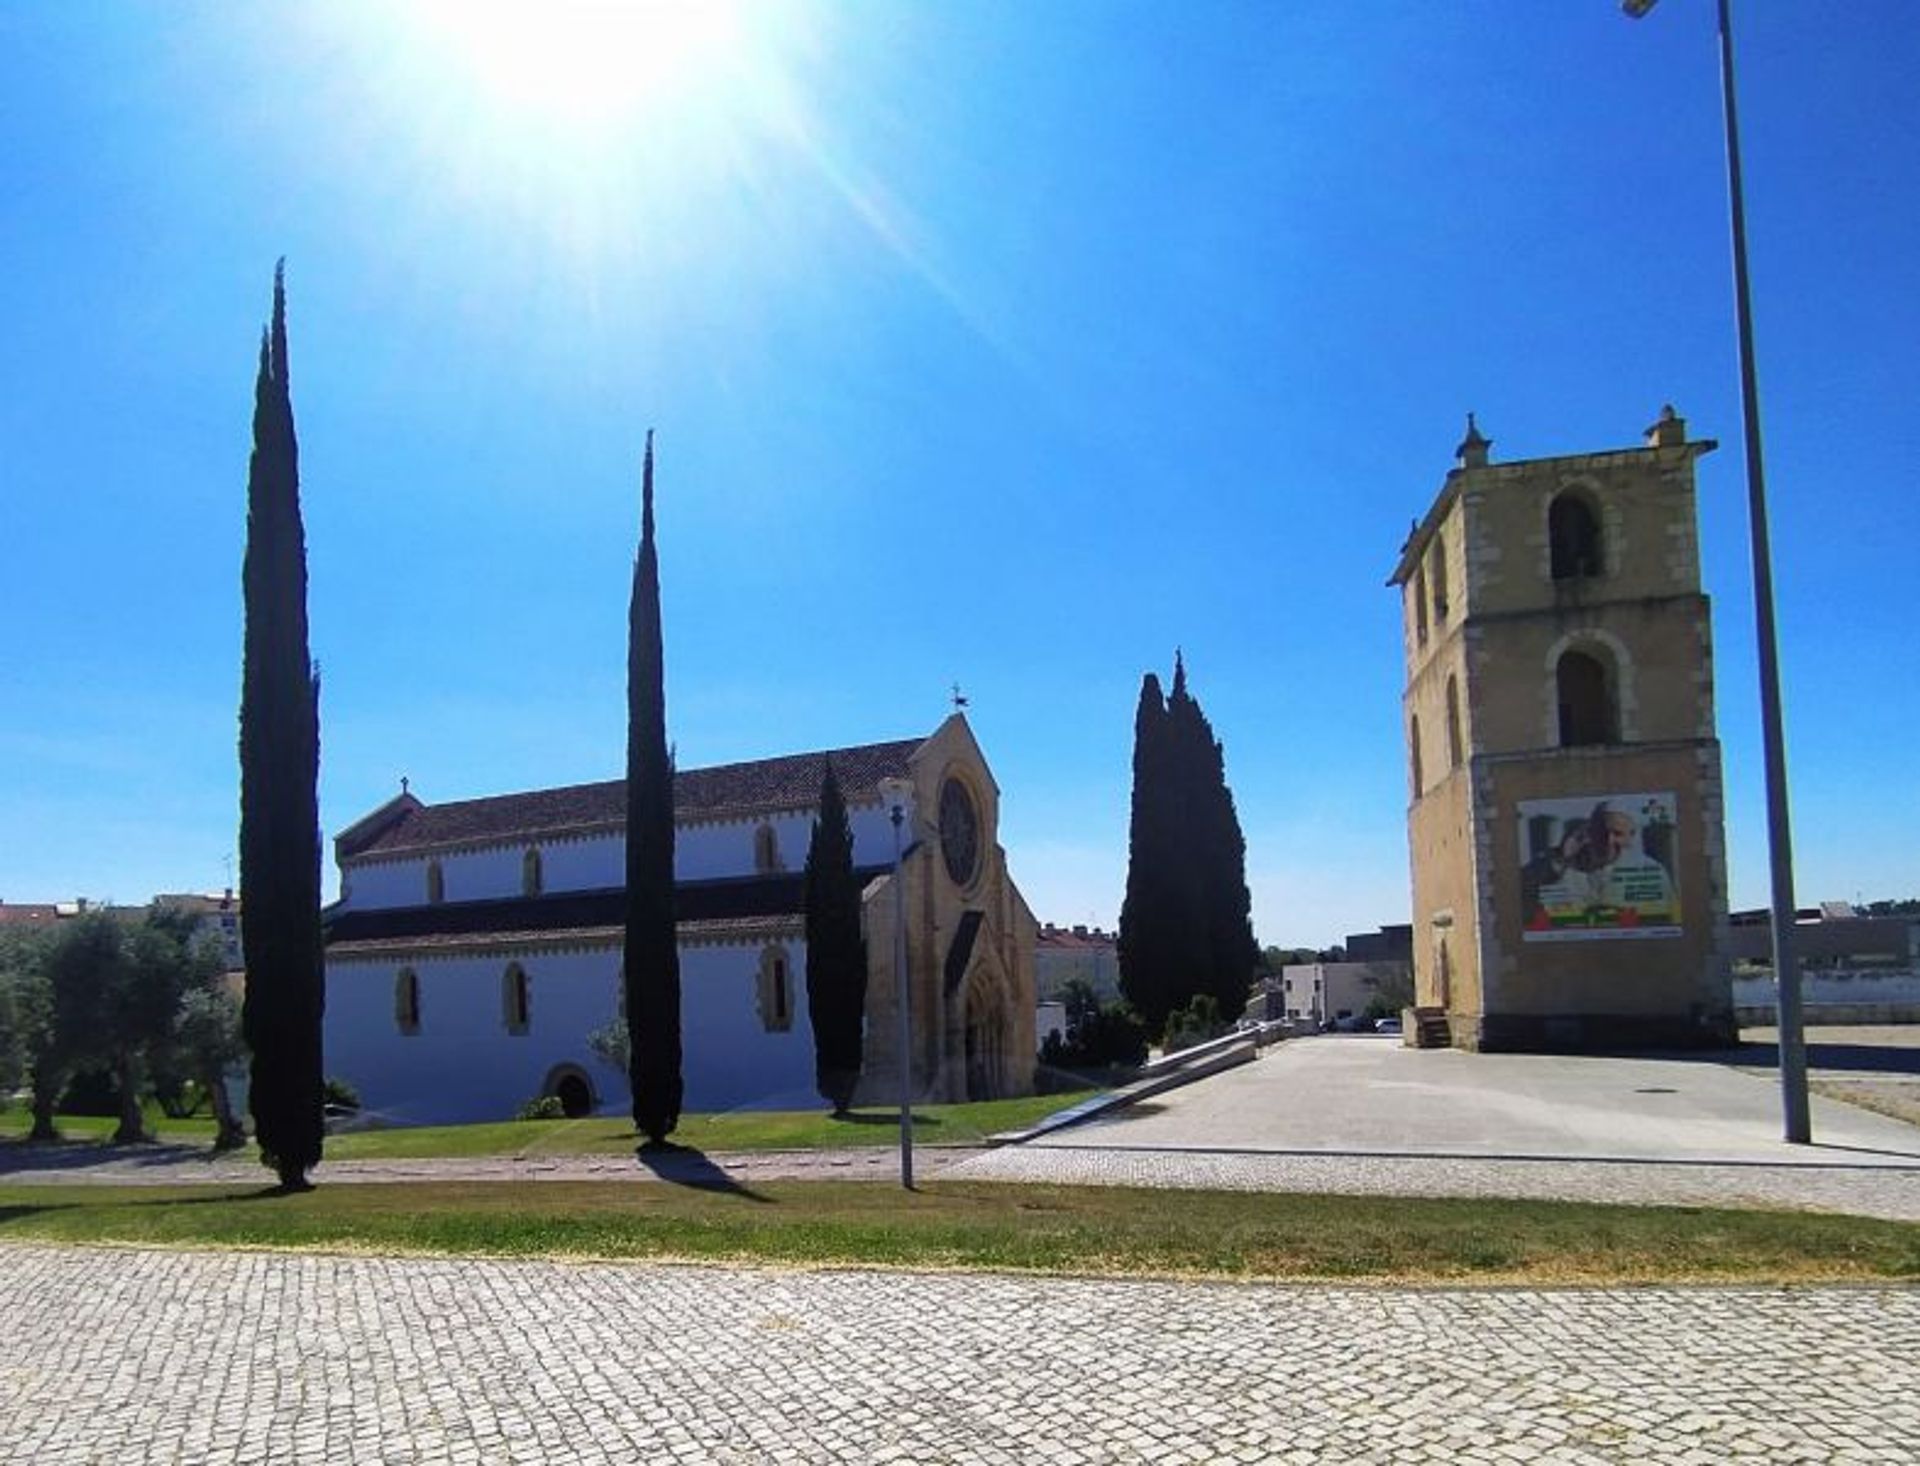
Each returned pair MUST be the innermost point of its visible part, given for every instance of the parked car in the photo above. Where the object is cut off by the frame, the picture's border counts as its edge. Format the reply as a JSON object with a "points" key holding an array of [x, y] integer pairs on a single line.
{"points": [[1387, 1025]]}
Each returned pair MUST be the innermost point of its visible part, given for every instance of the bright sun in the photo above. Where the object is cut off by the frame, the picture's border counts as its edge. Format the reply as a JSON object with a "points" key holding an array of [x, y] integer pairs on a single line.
{"points": [[587, 62]]}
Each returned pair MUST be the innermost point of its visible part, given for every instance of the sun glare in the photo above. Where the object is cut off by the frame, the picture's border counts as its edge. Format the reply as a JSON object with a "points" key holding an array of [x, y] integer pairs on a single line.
{"points": [[587, 62]]}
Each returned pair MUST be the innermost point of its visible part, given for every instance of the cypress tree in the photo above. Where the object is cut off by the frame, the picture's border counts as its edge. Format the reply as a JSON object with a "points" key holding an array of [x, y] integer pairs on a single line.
{"points": [[1153, 914], [1216, 857], [279, 778], [652, 971], [1185, 928], [836, 952]]}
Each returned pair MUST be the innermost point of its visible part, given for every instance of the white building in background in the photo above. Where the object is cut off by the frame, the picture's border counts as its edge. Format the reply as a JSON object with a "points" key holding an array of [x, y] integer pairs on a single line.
{"points": [[219, 920], [1323, 992], [476, 944], [1064, 954]]}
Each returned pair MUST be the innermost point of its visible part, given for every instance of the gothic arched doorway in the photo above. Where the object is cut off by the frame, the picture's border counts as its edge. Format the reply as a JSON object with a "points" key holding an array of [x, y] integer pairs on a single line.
{"points": [[987, 1035]]}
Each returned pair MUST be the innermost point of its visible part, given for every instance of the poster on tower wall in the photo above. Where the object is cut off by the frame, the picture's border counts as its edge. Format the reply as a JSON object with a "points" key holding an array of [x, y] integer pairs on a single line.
{"points": [[1599, 867]]}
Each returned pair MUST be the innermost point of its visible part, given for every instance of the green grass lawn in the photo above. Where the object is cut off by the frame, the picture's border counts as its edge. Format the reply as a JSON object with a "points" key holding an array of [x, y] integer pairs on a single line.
{"points": [[998, 1227], [736, 1130], [966, 1124], [15, 1121]]}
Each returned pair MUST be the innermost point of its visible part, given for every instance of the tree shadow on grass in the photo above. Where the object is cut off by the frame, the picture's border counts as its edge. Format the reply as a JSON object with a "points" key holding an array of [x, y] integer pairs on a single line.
{"points": [[80, 1153], [685, 1165], [263, 1193]]}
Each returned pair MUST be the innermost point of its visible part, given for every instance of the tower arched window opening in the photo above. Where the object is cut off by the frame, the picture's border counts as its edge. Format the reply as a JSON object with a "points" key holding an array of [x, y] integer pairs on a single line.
{"points": [[1584, 689], [1573, 533]]}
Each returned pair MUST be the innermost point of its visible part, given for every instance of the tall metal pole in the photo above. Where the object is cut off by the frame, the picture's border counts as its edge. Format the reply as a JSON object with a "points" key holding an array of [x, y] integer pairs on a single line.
{"points": [[902, 999], [1786, 971]]}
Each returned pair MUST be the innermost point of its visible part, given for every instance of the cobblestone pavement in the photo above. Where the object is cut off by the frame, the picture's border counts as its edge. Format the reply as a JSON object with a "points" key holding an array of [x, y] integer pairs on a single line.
{"points": [[123, 1355], [179, 1165], [1869, 1191]]}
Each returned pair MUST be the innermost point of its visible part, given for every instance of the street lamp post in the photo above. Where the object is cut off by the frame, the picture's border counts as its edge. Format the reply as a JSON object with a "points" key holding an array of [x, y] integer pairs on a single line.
{"points": [[896, 792], [1793, 1052]]}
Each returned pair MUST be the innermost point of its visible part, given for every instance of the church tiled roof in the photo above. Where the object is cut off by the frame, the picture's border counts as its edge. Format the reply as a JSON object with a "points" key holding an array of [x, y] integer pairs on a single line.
{"points": [[741, 903], [792, 781]]}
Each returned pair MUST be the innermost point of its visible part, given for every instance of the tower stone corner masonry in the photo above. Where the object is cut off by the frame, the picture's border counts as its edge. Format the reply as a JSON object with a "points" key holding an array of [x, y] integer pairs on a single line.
{"points": [[1565, 821]]}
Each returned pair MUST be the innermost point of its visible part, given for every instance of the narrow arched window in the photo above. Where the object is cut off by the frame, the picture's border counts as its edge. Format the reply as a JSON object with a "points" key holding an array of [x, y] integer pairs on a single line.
{"points": [[436, 883], [1413, 751], [406, 1001], [776, 991], [1585, 694], [1420, 604], [532, 873], [515, 998], [1440, 598], [1454, 742], [1573, 532], [766, 850]]}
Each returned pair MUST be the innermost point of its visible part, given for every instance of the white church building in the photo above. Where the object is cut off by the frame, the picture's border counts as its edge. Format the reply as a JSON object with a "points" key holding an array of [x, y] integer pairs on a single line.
{"points": [[477, 943]]}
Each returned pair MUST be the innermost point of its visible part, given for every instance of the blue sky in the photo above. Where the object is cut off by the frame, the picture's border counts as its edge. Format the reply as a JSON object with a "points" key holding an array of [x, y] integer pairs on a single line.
{"points": [[1003, 343]]}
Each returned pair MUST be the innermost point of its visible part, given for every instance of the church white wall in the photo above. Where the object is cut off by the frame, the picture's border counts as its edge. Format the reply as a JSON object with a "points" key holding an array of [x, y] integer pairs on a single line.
{"points": [[463, 1065], [377, 887], [579, 865], [701, 852], [873, 834]]}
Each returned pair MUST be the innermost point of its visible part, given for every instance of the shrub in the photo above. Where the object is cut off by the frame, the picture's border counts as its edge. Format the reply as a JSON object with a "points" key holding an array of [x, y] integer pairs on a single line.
{"points": [[541, 1107], [91, 1092], [337, 1094], [1194, 1024], [1097, 1037]]}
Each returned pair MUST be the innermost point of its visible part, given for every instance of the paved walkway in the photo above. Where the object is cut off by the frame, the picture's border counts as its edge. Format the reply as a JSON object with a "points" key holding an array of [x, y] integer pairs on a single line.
{"points": [[115, 1356], [1354, 1114], [1362, 1114]]}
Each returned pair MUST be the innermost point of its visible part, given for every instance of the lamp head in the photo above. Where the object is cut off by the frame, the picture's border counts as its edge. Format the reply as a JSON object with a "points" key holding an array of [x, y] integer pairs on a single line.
{"points": [[1637, 9]]}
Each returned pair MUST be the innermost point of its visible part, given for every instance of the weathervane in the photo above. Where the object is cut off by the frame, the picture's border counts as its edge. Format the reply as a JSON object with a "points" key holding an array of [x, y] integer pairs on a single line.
{"points": [[959, 701]]}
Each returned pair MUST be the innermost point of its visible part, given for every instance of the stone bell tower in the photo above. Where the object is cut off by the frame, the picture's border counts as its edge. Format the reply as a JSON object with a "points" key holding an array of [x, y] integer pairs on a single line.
{"points": [[1565, 817]]}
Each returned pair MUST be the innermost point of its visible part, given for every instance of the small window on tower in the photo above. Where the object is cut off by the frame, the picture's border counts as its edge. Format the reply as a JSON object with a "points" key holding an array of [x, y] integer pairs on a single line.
{"points": [[1455, 745], [436, 884], [532, 873]]}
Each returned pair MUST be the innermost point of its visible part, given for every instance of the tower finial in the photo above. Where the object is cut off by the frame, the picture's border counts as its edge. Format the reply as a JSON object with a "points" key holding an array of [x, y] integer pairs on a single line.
{"points": [[1669, 429], [646, 492], [1473, 449]]}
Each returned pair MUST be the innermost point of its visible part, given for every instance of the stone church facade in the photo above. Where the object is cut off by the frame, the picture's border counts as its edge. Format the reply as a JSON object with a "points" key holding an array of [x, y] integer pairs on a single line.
{"points": [[1565, 820], [476, 944]]}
